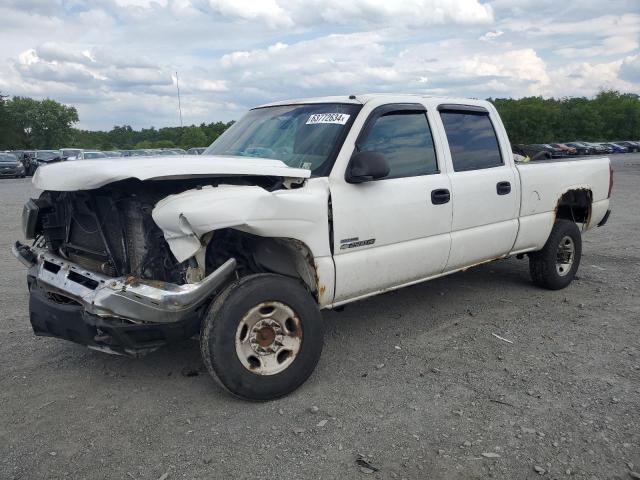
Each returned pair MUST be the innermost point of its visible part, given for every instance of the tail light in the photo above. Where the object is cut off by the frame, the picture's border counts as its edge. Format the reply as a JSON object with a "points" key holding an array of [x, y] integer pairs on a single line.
{"points": [[610, 181]]}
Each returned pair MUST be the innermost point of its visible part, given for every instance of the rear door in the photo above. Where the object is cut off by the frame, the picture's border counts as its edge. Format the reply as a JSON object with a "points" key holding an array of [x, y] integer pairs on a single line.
{"points": [[484, 186], [390, 231]]}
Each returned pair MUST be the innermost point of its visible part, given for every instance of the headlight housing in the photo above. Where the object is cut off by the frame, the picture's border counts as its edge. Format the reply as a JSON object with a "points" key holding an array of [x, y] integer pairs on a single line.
{"points": [[31, 221]]}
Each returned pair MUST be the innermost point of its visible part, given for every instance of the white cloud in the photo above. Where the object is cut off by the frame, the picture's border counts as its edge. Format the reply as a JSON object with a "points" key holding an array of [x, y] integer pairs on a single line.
{"points": [[405, 12], [490, 36], [595, 26], [584, 78], [268, 11], [55, 52], [630, 69], [414, 13], [115, 59], [613, 45]]}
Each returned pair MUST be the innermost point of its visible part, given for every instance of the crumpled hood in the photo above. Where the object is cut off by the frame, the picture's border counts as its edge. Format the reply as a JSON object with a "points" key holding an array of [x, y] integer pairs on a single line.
{"points": [[90, 174]]}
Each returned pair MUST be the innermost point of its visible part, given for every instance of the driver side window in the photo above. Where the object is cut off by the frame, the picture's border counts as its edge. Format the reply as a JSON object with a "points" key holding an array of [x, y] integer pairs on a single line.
{"points": [[404, 138]]}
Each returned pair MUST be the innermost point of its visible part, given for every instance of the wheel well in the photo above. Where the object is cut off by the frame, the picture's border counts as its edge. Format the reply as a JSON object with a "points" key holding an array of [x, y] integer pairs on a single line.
{"points": [[255, 254], [575, 205]]}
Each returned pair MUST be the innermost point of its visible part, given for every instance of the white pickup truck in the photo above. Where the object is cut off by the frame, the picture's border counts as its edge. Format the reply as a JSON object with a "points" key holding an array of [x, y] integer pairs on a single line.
{"points": [[300, 206]]}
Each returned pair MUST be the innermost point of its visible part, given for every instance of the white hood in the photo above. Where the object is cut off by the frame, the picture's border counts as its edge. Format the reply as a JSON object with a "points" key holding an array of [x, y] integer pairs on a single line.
{"points": [[89, 174]]}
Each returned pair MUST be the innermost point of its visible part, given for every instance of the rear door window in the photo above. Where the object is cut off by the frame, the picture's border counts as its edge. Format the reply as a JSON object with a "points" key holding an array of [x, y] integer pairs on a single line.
{"points": [[472, 140]]}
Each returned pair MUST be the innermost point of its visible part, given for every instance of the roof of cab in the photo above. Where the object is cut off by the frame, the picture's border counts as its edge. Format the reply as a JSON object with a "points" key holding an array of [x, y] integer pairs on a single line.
{"points": [[367, 97]]}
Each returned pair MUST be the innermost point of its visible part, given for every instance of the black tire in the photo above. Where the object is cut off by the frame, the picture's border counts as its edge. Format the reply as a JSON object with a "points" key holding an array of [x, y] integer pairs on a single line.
{"points": [[544, 264], [220, 331]]}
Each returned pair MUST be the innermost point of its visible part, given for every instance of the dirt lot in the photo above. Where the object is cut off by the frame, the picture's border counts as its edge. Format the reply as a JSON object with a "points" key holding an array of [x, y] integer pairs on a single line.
{"points": [[413, 380]]}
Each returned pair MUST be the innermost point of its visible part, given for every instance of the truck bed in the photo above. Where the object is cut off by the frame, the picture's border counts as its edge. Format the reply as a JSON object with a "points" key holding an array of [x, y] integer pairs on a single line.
{"points": [[542, 184]]}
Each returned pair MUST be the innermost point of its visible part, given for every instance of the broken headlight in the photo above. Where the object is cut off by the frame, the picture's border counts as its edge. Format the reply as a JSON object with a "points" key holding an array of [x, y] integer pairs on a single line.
{"points": [[31, 222]]}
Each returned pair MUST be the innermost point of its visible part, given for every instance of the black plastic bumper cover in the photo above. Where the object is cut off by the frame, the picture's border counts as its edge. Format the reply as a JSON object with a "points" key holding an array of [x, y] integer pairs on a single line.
{"points": [[69, 321]]}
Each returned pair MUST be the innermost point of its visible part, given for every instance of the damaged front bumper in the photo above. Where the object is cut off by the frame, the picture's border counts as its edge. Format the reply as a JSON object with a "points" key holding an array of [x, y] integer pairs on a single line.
{"points": [[121, 315]]}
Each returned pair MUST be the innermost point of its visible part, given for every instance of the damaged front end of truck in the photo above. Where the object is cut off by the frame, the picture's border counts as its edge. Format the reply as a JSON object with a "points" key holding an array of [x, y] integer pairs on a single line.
{"points": [[127, 263]]}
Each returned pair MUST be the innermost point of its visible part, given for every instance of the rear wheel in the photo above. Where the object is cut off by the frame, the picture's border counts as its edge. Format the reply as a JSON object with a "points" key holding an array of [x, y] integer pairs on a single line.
{"points": [[262, 337], [555, 266]]}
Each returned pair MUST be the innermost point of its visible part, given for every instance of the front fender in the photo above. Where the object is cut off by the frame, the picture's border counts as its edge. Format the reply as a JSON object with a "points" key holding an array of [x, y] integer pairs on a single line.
{"points": [[301, 214]]}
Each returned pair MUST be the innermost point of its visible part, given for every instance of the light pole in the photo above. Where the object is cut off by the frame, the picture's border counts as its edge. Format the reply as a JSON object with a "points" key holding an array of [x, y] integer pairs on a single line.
{"points": [[179, 104]]}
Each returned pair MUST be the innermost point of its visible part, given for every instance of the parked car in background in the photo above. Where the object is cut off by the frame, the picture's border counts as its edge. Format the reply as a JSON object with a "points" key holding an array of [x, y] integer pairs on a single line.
{"points": [[541, 152], [533, 152], [113, 153], [607, 148], [597, 148], [617, 148], [581, 148], [565, 148], [87, 155], [631, 146], [26, 157], [554, 151], [10, 166], [170, 151], [70, 152], [136, 153], [196, 150], [45, 157], [92, 155]]}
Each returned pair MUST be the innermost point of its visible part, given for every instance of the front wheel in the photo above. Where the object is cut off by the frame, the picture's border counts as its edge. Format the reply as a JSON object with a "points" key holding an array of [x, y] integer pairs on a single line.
{"points": [[262, 337], [556, 264]]}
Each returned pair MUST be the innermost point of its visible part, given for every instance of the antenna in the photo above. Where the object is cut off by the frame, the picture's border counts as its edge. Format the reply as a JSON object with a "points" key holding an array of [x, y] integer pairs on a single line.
{"points": [[179, 104]]}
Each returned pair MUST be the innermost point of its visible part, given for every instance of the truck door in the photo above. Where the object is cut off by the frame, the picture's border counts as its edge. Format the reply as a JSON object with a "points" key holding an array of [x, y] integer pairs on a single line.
{"points": [[395, 230], [484, 187]]}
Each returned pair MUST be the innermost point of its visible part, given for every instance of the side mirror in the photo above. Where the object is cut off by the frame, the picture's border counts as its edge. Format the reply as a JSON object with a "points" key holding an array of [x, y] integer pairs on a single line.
{"points": [[366, 166]]}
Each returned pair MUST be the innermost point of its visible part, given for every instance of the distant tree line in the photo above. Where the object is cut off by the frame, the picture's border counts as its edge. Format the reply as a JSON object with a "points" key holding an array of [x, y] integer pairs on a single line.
{"points": [[609, 116], [26, 123], [125, 137]]}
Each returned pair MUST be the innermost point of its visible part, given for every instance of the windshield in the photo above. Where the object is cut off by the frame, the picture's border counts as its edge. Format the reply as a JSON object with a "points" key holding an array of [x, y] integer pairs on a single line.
{"points": [[8, 158], [302, 136]]}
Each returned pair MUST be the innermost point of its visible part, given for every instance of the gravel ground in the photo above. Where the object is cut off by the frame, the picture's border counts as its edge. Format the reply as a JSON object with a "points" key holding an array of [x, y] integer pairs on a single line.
{"points": [[414, 381]]}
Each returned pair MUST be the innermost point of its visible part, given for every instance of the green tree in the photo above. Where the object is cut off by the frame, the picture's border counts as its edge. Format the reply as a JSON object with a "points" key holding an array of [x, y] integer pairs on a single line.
{"points": [[8, 136], [144, 144], [193, 137], [41, 124], [607, 117], [21, 111], [163, 144], [52, 124]]}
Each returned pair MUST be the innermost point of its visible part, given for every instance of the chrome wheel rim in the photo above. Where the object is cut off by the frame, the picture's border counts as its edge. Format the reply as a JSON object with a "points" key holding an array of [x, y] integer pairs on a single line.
{"points": [[268, 338], [565, 255]]}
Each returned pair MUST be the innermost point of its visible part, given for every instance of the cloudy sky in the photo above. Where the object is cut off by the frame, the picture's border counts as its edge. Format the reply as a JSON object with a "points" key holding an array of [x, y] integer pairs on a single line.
{"points": [[115, 59]]}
